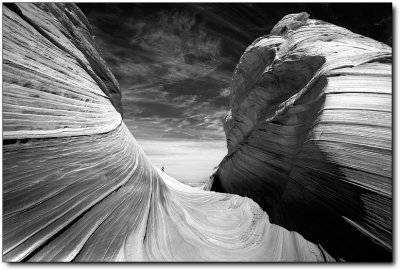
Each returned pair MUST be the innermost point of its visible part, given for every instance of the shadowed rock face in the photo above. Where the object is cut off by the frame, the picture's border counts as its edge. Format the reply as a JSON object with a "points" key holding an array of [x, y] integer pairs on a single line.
{"points": [[76, 185], [309, 136]]}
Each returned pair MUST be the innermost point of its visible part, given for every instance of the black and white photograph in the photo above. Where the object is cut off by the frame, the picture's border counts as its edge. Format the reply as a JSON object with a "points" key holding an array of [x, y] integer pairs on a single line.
{"points": [[197, 132]]}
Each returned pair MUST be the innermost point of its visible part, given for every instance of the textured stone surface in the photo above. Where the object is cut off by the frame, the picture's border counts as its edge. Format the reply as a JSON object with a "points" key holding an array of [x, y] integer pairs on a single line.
{"points": [[309, 135], [76, 185]]}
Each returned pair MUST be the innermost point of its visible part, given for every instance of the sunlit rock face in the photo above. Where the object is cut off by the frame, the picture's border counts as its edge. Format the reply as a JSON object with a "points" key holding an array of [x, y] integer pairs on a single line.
{"points": [[76, 185], [309, 136]]}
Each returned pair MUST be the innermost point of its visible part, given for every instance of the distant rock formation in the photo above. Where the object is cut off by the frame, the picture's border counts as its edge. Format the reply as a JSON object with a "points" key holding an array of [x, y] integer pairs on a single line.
{"points": [[309, 136], [76, 185]]}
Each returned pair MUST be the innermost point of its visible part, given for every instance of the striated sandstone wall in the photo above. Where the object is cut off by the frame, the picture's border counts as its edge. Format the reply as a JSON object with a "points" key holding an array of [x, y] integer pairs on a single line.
{"points": [[309, 135]]}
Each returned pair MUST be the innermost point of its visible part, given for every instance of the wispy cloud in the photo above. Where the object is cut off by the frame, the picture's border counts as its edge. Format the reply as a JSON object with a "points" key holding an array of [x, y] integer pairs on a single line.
{"points": [[170, 70]]}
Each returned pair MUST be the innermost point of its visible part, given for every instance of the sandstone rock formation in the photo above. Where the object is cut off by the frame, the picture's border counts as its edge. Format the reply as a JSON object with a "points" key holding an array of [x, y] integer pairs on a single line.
{"points": [[309, 136], [76, 185]]}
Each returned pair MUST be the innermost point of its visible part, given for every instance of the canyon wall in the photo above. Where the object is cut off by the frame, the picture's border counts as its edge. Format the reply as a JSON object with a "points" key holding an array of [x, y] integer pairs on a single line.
{"points": [[77, 186], [309, 136]]}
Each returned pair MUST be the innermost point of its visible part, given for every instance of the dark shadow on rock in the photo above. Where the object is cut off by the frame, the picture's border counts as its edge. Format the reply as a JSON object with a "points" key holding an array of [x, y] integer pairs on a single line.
{"points": [[317, 198], [314, 204]]}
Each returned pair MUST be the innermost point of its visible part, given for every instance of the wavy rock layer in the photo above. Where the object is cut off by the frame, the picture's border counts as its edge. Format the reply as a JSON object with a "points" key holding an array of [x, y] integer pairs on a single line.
{"points": [[76, 185], [309, 135]]}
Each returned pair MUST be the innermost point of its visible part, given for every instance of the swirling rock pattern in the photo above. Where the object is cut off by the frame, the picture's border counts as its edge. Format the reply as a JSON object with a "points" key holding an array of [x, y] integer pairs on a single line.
{"points": [[76, 185], [309, 136]]}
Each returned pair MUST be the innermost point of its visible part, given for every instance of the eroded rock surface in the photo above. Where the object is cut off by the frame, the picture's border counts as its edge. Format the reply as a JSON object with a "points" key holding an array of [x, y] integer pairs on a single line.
{"points": [[309, 136], [76, 185]]}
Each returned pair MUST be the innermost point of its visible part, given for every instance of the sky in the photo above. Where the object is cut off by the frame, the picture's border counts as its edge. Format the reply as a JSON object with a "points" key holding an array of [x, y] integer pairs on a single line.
{"points": [[174, 63]]}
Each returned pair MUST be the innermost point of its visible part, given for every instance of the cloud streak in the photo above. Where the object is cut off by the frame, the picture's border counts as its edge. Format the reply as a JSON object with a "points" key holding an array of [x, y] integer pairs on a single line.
{"points": [[169, 67]]}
